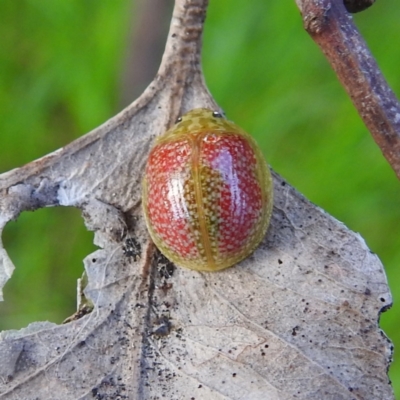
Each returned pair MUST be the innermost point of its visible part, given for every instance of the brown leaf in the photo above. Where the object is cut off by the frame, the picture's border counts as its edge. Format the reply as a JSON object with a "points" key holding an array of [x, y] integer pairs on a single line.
{"points": [[297, 319]]}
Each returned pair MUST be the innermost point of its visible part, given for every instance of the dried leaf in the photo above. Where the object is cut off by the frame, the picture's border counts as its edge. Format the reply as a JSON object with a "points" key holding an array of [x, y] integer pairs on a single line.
{"points": [[297, 319]]}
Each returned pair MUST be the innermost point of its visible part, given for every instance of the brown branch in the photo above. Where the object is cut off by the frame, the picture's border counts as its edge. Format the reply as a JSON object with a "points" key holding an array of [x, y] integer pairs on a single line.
{"points": [[150, 21], [331, 27]]}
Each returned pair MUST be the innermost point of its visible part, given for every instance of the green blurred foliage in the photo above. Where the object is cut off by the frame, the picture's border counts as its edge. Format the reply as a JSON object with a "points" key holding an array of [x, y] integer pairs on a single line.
{"points": [[60, 66]]}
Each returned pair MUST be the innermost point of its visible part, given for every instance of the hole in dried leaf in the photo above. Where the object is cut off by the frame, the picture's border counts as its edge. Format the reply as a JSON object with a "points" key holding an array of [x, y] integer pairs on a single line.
{"points": [[47, 248]]}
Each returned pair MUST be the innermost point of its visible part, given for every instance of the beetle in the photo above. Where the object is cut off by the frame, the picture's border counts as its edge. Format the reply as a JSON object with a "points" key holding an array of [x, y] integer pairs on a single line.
{"points": [[207, 192]]}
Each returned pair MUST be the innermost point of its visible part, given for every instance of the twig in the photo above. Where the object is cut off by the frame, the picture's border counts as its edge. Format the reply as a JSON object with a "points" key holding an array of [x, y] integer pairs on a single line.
{"points": [[332, 28], [145, 46]]}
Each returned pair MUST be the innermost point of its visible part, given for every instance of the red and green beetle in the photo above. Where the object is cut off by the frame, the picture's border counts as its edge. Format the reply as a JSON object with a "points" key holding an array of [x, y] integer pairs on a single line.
{"points": [[207, 192]]}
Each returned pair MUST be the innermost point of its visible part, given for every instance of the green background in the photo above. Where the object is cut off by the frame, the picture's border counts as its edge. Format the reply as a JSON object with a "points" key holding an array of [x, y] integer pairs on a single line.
{"points": [[61, 66]]}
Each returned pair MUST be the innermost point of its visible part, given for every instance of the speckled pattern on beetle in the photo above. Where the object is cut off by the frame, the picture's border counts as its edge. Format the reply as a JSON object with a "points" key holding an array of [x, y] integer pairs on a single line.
{"points": [[207, 192]]}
